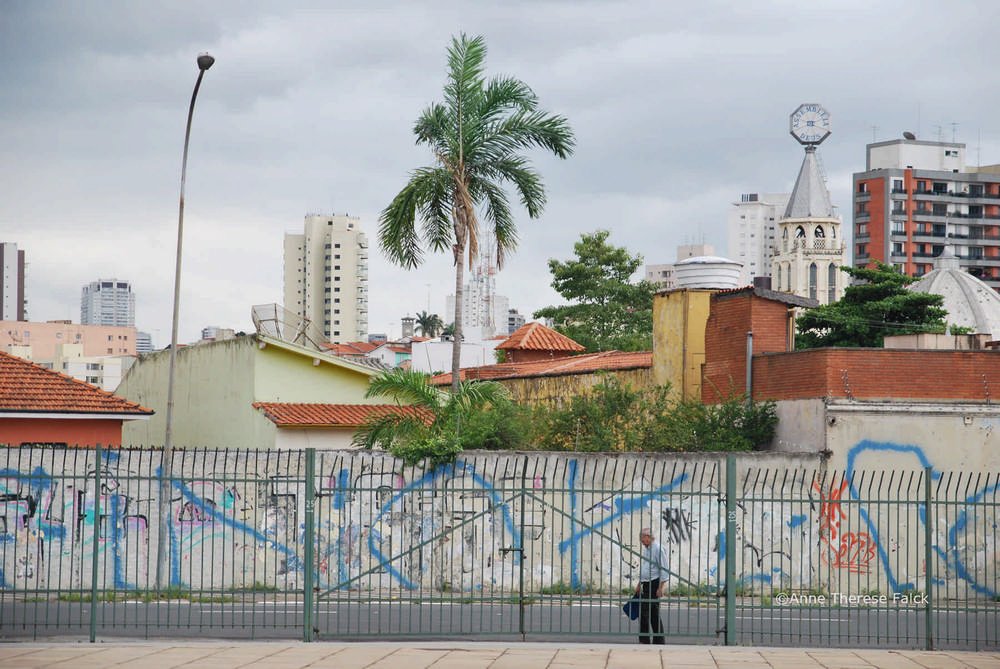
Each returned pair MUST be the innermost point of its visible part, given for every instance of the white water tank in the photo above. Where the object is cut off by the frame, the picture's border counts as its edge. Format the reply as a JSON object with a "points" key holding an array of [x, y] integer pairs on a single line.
{"points": [[707, 272]]}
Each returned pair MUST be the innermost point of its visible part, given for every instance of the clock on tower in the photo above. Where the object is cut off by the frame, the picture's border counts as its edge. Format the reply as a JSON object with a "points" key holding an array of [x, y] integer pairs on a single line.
{"points": [[809, 124]]}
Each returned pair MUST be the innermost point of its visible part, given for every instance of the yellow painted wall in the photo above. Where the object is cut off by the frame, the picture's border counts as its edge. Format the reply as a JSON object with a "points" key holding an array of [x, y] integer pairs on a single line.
{"points": [[284, 375], [556, 390], [679, 319], [217, 384]]}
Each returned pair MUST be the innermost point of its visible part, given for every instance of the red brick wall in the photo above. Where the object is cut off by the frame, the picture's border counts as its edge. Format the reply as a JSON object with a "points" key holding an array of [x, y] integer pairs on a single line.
{"points": [[76, 432], [731, 317], [859, 373], [863, 373]]}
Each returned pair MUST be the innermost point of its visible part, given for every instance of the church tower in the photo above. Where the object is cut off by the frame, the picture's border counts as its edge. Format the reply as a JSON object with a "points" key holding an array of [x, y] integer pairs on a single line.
{"points": [[809, 247]]}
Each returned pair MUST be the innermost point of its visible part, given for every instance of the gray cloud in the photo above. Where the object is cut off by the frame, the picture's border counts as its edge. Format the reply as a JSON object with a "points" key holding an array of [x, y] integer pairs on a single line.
{"points": [[678, 109]]}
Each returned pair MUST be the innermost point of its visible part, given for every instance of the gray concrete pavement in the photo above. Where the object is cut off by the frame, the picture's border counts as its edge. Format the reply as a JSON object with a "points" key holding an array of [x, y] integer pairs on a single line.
{"points": [[474, 655]]}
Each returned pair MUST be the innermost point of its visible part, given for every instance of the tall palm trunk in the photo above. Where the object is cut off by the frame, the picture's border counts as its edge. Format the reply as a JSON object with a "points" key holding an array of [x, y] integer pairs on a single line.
{"points": [[456, 344]]}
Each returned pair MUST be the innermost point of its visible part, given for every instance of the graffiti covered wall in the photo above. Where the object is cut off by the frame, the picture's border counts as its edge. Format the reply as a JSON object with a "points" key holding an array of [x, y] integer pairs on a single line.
{"points": [[560, 522]]}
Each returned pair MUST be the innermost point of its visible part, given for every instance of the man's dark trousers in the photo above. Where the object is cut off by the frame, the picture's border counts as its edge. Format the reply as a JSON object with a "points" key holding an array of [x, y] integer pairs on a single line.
{"points": [[650, 625]]}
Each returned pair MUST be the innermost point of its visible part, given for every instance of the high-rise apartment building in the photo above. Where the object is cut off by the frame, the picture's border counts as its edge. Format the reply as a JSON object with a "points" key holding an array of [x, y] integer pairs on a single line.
{"points": [[107, 302], [752, 227], [914, 197], [481, 310], [12, 302], [326, 276]]}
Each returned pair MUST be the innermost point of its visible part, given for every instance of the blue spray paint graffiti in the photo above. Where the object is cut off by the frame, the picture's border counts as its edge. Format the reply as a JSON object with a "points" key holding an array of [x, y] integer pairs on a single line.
{"points": [[625, 506], [954, 559], [574, 560], [430, 477]]}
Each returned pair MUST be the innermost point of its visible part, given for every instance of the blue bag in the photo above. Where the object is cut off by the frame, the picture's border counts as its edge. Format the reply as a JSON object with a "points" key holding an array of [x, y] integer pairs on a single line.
{"points": [[631, 608]]}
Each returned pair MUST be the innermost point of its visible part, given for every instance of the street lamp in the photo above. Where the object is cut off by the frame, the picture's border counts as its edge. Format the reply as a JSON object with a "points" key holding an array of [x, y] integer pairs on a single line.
{"points": [[205, 61]]}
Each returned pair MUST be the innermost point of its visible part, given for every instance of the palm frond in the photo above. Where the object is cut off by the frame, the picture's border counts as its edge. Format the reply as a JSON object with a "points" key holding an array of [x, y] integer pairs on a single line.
{"points": [[498, 216], [407, 387], [518, 171], [385, 431], [397, 230]]}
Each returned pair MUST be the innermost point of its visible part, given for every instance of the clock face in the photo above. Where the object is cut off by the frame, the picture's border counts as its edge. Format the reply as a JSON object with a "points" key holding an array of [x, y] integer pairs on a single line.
{"points": [[810, 124]]}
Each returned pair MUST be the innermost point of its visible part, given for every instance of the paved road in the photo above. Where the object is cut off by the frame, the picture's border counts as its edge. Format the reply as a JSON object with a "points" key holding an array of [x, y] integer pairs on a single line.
{"points": [[592, 622]]}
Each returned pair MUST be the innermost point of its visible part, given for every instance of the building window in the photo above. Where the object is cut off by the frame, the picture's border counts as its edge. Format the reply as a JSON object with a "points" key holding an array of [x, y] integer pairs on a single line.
{"points": [[818, 233], [831, 283], [863, 187], [897, 186], [897, 248], [813, 271], [897, 227]]}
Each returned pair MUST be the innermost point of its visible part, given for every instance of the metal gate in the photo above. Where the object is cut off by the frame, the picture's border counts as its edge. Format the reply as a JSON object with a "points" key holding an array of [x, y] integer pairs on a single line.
{"points": [[529, 546]]}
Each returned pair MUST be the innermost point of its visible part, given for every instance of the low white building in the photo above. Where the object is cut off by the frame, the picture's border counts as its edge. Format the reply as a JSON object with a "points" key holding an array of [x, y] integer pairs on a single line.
{"points": [[434, 356]]}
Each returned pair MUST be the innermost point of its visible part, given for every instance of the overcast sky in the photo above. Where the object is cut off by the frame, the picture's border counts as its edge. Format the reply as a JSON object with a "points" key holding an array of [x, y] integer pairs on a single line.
{"points": [[677, 108]]}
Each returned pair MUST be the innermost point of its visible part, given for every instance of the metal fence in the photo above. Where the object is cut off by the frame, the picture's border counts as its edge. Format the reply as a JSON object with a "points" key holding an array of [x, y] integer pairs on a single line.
{"points": [[543, 546]]}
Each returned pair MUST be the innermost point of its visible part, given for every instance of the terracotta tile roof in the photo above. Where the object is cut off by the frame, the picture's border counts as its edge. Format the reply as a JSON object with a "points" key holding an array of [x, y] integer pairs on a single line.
{"points": [[30, 388], [607, 361], [288, 414], [536, 337], [350, 348]]}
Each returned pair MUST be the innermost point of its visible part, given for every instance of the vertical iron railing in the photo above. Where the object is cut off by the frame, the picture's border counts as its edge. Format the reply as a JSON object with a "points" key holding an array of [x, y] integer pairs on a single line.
{"points": [[351, 545]]}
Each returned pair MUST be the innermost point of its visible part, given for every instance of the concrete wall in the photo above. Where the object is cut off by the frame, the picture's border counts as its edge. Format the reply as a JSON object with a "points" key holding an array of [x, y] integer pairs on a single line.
{"points": [[890, 435], [237, 518]]}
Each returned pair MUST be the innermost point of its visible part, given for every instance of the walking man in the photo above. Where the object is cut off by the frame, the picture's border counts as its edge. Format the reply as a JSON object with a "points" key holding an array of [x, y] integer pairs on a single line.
{"points": [[653, 574]]}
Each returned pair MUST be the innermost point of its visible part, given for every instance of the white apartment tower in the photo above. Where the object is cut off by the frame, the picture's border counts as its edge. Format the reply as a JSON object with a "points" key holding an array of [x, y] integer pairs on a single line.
{"points": [[326, 276], [12, 302], [108, 302], [752, 225]]}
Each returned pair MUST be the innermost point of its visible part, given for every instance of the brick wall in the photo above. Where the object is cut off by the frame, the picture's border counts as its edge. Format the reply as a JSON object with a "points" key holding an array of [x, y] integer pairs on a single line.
{"points": [[874, 373], [731, 317], [853, 373]]}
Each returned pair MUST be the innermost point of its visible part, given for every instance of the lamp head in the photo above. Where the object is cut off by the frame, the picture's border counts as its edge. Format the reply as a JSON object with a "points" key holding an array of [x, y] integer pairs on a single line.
{"points": [[205, 61]]}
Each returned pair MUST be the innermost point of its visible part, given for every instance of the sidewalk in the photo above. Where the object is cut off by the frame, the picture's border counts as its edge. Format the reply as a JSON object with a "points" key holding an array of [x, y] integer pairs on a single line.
{"points": [[473, 655]]}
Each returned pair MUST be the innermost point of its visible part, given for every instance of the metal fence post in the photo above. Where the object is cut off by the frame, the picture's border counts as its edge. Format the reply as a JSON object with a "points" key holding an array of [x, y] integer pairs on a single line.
{"points": [[928, 558], [96, 545], [520, 584], [310, 557], [730, 550]]}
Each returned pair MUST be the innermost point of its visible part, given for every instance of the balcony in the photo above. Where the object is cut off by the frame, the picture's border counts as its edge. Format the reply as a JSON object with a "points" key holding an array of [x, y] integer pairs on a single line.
{"points": [[899, 191]]}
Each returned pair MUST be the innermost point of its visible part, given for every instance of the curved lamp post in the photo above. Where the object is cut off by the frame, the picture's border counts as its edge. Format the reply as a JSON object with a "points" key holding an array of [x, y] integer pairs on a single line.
{"points": [[205, 61]]}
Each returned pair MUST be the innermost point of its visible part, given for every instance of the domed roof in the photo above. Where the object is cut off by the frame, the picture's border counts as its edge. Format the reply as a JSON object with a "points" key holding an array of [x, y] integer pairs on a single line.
{"points": [[704, 260], [968, 300]]}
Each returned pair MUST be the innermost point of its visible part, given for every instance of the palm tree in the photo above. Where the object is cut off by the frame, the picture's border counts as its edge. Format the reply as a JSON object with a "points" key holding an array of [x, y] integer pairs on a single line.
{"points": [[433, 429], [429, 325], [476, 135]]}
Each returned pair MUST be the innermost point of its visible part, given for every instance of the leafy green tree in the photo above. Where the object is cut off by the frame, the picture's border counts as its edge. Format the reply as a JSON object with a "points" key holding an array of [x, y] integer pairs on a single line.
{"points": [[446, 422], [607, 310], [879, 305], [476, 135], [429, 325]]}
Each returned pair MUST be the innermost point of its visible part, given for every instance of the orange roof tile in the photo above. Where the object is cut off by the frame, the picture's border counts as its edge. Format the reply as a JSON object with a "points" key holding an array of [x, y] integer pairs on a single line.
{"points": [[350, 348], [577, 364], [536, 337], [288, 414], [29, 388]]}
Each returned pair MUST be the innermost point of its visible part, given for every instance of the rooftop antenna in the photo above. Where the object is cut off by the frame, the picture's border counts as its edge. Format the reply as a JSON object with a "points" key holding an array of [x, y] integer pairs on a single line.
{"points": [[954, 130], [940, 132], [874, 130]]}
